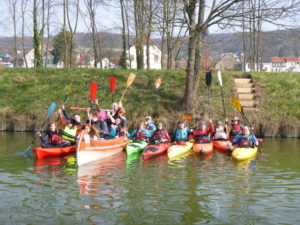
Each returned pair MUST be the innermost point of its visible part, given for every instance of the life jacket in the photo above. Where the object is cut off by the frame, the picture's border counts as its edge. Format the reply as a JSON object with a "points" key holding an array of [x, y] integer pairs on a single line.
{"points": [[220, 133], [140, 135], [54, 138], [202, 135], [245, 141], [235, 130], [159, 134], [69, 134], [181, 135]]}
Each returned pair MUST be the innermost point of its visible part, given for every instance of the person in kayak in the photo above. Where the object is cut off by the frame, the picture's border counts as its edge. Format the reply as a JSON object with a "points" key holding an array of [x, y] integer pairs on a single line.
{"points": [[140, 134], [150, 124], [245, 139], [53, 138], [69, 132], [203, 134], [117, 112], [160, 134], [91, 131], [221, 131], [182, 133], [115, 129], [235, 128], [103, 117], [76, 121]]}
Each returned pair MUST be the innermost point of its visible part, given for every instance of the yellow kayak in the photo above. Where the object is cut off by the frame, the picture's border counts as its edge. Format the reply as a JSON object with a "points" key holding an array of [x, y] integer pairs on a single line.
{"points": [[244, 153], [177, 150]]}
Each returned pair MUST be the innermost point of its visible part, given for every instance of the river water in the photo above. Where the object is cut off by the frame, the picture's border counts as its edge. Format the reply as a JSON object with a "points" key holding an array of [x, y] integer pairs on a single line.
{"points": [[191, 190]]}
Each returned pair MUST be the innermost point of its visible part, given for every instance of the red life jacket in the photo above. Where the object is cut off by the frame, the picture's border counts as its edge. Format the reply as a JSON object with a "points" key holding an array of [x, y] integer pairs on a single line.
{"points": [[245, 141], [235, 130], [201, 135], [159, 134], [140, 135], [55, 138]]}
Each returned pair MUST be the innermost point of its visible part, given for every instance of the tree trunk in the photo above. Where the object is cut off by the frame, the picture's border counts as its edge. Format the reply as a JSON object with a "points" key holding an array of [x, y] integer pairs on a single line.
{"points": [[36, 38], [23, 10]]}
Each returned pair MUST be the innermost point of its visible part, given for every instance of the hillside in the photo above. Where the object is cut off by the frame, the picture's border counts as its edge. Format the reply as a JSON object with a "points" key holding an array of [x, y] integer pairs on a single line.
{"points": [[27, 93]]}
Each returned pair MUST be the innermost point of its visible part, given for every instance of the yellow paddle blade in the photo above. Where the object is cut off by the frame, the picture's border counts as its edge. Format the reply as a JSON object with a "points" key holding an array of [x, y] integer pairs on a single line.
{"points": [[158, 82], [69, 88], [236, 103], [130, 79], [187, 117]]}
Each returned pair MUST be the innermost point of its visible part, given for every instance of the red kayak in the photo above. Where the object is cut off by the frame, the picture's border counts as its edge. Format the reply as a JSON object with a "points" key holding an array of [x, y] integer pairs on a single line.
{"points": [[203, 148], [224, 146], [155, 149], [41, 152], [260, 140]]}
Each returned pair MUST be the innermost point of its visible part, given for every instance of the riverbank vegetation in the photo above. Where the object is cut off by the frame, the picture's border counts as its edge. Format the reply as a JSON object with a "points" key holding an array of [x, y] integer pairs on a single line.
{"points": [[27, 93]]}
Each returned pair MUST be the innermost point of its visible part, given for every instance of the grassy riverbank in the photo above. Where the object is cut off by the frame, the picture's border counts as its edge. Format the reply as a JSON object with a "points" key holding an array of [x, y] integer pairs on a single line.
{"points": [[27, 93]]}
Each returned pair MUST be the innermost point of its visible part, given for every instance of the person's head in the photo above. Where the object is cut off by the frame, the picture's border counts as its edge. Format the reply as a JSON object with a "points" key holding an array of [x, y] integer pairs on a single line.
{"points": [[235, 120], [115, 106], [180, 124], [86, 128], [69, 123], [202, 125], [148, 119], [94, 116], [219, 124], [118, 121], [159, 126], [77, 118], [52, 127], [246, 130], [141, 126]]}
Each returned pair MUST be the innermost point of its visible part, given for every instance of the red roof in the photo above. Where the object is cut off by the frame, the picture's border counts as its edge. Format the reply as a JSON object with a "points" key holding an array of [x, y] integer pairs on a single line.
{"points": [[285, 59]]}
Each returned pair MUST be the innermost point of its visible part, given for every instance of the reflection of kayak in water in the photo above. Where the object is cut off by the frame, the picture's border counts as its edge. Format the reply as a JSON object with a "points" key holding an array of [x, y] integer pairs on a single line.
{"points": [[41, 152], [132, 157], [240, 154], [89, 150], [245, 164]]}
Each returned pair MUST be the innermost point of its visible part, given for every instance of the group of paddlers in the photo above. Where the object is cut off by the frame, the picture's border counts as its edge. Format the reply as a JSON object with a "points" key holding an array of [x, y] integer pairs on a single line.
{"points": [[108, 124]]}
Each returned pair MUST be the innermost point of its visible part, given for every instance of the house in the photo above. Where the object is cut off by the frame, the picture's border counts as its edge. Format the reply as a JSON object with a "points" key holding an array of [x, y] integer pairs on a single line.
{"points": [[47, 58], [154, 53], [110, 62], [229, 61], [264, 67], [285, 64], [6, 61]]}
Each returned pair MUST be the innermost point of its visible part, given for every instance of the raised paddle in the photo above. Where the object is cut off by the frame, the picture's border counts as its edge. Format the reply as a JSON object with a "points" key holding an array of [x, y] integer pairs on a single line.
{"points": [[51, 109], [158, 82], [208, 78], [130, 80], [112, 83], [221, 84], [93, 91]]}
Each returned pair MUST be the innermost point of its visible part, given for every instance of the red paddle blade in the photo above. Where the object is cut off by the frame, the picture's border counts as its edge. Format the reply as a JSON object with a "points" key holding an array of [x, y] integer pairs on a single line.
{"points": [[112, 82], [93, 91]]}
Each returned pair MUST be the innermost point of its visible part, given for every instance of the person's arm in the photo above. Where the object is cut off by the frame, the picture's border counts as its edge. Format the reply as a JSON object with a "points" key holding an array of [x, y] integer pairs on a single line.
{"points": [[61, 120], [97, 105], [167, 136], [43, 139], [148, 133], [236, 140], [255, 141], [211, 127], [65, 113], [132, 134]]}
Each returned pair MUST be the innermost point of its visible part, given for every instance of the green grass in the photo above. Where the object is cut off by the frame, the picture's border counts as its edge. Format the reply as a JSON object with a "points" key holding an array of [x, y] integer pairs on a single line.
{"points": [[27, 93]]}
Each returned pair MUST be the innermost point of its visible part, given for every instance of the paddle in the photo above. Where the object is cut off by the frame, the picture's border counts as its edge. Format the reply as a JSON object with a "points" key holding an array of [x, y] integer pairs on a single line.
{"points": [[68, 93], [51, 109], [208, 78], [158, 82], [130, 80], [236, 103], [112, 82], [221, 84]]}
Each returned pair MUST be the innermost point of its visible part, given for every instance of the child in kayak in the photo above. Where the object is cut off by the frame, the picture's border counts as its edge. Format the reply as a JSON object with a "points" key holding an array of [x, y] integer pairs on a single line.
{"points": [[140, 134], [160, 134], [150, 124], [53, 138], [235, 128], [91, 131], [221, 132], [203, 134], [115, 129], [245, 139], [181, 134], [76, 121]]}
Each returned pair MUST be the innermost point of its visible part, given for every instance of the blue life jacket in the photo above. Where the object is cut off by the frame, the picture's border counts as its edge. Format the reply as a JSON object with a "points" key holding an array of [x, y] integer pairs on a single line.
{"points": [[181, 135]]}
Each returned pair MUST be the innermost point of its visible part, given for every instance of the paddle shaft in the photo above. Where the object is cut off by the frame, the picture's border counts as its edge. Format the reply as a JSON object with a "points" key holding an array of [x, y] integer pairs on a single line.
{"points": [[123, 94], [223, 102], [208, 101]]}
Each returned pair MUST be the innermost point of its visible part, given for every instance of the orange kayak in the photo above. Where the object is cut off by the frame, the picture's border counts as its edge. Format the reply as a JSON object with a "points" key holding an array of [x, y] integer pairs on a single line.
{"points": [[41, 152], [203, 148], [223, 146], [89, 150]]}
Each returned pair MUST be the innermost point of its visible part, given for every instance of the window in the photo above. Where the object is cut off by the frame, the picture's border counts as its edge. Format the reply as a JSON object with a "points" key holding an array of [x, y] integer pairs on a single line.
{"points": [[131, 57], [156, 58]]}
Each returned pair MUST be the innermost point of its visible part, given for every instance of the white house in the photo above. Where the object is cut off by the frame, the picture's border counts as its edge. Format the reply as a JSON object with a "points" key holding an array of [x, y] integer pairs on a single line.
{"points": [[111, 62], [265, 67], [47, 58], [286, 64], [154, 52]]}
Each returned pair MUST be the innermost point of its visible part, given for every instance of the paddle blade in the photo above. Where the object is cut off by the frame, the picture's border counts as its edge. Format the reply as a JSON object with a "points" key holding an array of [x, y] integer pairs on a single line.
{"points": [[208, 78], [69, 88], [51, 109], [236, 103], [158, 82], [27, 151], [187, 117], [130, 79], [220, 78], [112, 82], [93, 91]]}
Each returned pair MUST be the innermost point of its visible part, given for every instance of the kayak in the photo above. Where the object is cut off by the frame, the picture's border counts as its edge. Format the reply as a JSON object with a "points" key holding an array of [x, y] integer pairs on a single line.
{"points": [[223, 146], [240, 154], [155, 149], [203, 148], [41, 152], [89, 150], [135, 147], [176, 150]]}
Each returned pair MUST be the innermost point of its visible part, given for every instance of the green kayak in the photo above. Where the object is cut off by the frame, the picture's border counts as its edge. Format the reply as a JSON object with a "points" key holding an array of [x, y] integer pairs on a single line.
{"points": [[135, 146]]}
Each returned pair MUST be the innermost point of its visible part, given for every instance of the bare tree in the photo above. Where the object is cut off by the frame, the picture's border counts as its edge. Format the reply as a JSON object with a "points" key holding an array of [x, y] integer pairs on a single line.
{"points": [[23, 10], [36, 37]]}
